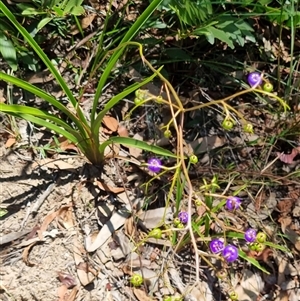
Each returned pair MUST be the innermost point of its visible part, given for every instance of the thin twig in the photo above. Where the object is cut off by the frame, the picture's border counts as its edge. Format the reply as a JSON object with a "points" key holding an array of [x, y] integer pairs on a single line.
{"points": [[42, 198]]}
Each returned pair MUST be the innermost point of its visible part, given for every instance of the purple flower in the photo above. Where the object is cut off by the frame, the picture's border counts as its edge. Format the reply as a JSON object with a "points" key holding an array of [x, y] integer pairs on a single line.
{"points": [[216, 245], [254, 79], [154, 165], [233, 203], [183, 217], [230, 253], [250, 235]]}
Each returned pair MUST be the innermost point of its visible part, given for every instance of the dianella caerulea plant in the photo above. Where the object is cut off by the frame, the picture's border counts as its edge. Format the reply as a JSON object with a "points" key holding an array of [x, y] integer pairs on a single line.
{"points": [[78, 129]]}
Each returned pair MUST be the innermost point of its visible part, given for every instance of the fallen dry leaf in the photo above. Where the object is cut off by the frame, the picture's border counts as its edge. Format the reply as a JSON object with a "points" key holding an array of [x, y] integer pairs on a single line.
{"points": [[2, 98], [200, 291], [284, 222], [263, 256], [109, 188], [281, 276], [294, 237], [135, 151], [206, 144], [64, 145], [25, 255], [10, 142], [66, 218], [141, 295], [49, 218], [116, 221], [85, 276], [111, 150], [33, 232], [129, 227], [127, 270], [86, 268], [111, 123], [6, 238], [68, 280], [85, 22], [288, 158], [260, 197], [155, 217], [61, 292], [285, 206], [53, 164], [72, 295], [250, 286], [122, 131]]}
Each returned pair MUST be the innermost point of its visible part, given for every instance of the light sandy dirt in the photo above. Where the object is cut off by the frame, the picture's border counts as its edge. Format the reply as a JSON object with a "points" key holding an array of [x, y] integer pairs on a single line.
{"points": [[34, 276]]}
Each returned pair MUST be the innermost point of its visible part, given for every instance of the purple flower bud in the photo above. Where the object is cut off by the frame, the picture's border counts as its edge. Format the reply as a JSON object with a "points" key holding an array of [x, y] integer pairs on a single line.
{"points": [[254, 79], [154, 165], [250, 235], [230, 253], [233, 203], [183, 217], [216, 245]]}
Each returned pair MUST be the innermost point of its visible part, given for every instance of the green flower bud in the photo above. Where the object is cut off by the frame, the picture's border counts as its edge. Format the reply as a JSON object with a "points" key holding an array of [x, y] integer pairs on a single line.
{"points": [[198, 202], [257, 246], [180, 226], [193, 159], [137, 101], [260, 247], [233, 296], [268, 87], [176, 221], [136, 280], [248, 128], [159, 99], [155, 233], [227, 124], [141, 94], [167, 134], [261, 237]]}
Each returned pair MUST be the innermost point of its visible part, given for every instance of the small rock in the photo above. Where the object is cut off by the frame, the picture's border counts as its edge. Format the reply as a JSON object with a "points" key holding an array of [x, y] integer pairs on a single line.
{"points": [[117, 254]]}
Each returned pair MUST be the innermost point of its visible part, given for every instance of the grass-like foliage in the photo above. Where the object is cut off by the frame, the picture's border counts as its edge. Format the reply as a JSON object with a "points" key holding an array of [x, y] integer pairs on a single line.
{"points": [[82, 131]]}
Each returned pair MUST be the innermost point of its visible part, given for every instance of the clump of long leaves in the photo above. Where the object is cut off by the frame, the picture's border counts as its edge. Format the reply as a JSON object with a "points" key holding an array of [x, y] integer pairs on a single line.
{"points": [[80, 130]]}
